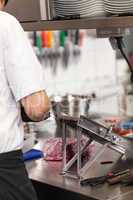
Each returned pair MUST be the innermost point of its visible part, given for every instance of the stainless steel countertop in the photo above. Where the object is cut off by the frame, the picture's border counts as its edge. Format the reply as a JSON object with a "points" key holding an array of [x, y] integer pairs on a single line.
{"points": [[49, 173]]}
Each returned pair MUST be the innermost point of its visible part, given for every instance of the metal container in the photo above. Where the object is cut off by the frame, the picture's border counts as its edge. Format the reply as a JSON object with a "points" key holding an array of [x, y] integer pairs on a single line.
{"points": [[71, 104], [31, 10]]}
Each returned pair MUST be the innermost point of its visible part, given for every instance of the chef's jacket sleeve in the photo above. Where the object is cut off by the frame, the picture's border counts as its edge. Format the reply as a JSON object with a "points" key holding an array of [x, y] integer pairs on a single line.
{"points": [[23, 70]]}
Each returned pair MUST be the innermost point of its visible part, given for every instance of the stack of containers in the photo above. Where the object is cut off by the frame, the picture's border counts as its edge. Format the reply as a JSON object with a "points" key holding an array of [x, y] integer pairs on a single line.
{"points": [[80, 8], [118, 6]]}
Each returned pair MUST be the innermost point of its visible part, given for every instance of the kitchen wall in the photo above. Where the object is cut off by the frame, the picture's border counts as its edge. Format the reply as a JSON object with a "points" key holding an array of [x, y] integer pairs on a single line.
{"points": [[95, 70]]}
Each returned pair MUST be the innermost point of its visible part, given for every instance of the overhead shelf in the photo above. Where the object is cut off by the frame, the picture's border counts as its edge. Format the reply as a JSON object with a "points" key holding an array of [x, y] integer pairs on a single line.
{"points": [[86, 23]]}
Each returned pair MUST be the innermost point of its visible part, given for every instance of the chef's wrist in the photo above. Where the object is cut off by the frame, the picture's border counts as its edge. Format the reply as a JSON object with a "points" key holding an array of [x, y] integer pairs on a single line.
{"points": [[46, 116]]}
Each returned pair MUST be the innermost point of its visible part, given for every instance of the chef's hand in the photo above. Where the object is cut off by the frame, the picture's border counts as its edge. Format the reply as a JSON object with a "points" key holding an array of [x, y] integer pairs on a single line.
{"points": [[36, 106]]}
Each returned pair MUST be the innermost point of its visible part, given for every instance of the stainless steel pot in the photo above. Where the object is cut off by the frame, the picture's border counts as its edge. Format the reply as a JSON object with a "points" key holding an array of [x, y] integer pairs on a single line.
{"points": [[71, 104]]}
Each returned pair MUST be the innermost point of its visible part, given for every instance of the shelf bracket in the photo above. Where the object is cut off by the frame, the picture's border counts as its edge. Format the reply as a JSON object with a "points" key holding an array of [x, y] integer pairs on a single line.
{"points": [[112, 32]]}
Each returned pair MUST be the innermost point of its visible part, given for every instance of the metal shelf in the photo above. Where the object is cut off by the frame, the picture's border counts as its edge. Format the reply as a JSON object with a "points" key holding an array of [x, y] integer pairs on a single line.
{"points": [[87, 23]]}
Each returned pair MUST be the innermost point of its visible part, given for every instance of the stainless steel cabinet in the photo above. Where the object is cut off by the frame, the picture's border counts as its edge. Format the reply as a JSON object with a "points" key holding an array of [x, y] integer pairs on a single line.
{"points": [[29, 10]]}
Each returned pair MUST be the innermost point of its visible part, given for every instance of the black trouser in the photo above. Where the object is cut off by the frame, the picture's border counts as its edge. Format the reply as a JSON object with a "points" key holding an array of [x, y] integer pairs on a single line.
{"points": [[14, 182]]}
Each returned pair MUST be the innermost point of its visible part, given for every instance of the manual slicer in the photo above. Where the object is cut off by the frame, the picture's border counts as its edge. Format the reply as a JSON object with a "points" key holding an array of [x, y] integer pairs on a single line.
{"points": [[110, 144]]}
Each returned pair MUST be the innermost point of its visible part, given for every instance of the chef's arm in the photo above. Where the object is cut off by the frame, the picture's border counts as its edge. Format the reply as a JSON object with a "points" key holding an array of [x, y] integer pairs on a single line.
{"points": [[36, 105]]}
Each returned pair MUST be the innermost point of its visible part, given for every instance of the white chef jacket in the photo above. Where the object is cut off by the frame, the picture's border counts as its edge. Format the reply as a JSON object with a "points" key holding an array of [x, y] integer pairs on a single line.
{"points": [[20, 75]]}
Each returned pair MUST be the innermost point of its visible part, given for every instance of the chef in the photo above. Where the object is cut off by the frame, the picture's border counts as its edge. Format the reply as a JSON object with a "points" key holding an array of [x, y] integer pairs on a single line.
{"points": [[21, 85]]}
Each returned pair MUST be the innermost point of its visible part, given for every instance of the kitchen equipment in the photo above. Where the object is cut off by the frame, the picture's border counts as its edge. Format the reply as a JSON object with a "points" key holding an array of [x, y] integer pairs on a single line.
{"points": [[111, 178], [95, 132], [118, 6], [124, 178], [82, 8], [71, 104], [31, 10]]}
